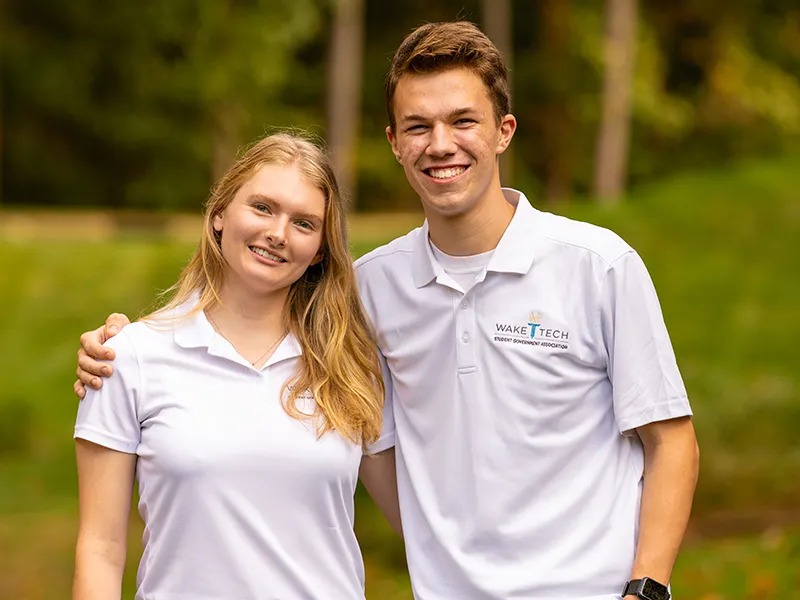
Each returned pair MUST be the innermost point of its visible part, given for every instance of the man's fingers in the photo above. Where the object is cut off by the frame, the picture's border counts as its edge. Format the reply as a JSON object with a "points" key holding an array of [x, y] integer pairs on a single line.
{"points": [[85, 378], [90, 371], [114, 323], [92, 344], [80, 391]]}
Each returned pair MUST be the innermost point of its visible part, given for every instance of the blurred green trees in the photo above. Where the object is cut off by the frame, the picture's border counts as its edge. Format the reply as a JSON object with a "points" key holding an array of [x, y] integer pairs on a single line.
{"points": [[141, 105]]}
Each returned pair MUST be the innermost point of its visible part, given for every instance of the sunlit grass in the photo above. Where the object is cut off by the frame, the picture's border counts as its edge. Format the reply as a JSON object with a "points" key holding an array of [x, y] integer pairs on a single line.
{"points": [[753, 567]]}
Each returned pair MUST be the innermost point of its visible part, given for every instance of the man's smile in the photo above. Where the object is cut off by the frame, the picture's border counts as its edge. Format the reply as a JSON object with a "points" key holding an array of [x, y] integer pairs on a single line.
{"points": [[445, 174]]}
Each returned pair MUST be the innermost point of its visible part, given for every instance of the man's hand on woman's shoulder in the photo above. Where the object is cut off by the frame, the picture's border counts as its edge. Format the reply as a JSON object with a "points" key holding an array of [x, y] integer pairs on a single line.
{"points": [[90, 369]]}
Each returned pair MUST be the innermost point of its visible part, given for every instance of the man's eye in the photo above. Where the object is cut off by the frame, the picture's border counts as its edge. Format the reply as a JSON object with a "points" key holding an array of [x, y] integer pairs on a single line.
{"points": [[416, 128], [465, 121]]}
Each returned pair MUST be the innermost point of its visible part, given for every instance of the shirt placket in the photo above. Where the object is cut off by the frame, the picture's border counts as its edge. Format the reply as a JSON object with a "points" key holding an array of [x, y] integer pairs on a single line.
{"points": [[466, 335]]}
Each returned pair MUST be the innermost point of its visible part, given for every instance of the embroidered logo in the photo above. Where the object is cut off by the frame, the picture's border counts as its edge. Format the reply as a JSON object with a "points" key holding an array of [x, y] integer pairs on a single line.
{"points": [[534, 320], [537, 331], [304, 395]]}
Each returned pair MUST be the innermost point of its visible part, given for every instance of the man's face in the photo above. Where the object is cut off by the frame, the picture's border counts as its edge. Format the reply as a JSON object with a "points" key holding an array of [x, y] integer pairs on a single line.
{"points": [[448, 140]]}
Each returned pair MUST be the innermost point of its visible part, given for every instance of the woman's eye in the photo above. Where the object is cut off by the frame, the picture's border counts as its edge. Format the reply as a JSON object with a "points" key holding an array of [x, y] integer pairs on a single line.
{"points": [[305, 225], [261, 207]]}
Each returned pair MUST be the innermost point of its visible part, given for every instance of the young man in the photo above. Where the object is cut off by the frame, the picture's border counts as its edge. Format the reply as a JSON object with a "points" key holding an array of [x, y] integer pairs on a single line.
{"points": [[544, 442]]}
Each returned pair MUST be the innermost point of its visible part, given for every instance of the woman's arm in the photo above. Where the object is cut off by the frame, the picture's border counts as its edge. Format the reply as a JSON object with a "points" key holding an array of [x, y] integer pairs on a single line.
{"points": [[105, 488], [379, 477]]}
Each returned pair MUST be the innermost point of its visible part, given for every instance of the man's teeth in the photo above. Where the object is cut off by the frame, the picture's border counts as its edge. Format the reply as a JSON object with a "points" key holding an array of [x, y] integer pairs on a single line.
{"points": [[264, 253], [446, 173]]}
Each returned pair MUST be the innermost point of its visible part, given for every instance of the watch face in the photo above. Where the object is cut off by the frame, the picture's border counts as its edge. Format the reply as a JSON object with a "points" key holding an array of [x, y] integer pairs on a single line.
{"points": [[652, 590]]}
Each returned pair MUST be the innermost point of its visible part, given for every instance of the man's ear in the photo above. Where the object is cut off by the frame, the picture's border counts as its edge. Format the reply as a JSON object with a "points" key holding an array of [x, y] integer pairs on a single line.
{"points": [[508, 125], [393, 141]]}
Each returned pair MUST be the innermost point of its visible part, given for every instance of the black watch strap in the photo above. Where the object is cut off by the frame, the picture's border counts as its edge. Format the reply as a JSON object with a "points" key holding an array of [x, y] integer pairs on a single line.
{"points": [[631, 587], [646, 588]]}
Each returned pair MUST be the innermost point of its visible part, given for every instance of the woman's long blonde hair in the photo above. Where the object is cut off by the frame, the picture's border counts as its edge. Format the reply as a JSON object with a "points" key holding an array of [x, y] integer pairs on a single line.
{"points": [[339, 362]]}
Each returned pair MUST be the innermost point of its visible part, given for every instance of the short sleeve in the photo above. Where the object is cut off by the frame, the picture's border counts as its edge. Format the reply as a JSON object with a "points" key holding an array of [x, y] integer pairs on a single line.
{"points": [[387, 438], [109, 416], [646, 382]]}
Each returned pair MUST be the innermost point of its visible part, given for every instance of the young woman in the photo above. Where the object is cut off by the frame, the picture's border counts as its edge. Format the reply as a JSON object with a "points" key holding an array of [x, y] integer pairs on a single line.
{"points": [[244, 408]]}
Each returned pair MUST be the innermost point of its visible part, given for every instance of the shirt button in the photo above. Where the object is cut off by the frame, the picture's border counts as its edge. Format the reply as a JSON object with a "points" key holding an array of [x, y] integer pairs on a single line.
{"points": [[465, 338], [465, 304]]}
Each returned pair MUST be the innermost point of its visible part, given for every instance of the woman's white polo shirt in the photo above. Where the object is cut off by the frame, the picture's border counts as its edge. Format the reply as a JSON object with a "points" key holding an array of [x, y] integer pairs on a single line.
{"points": [[239, 499]]}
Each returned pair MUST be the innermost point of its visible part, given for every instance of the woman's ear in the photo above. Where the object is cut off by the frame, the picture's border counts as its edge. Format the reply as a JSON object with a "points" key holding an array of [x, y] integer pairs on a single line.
{"points": [[317, 258]]}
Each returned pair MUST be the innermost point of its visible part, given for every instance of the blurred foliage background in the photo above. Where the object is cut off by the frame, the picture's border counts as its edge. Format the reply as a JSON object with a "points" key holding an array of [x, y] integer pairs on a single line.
{"points": [[119, 104], [116, 117]]}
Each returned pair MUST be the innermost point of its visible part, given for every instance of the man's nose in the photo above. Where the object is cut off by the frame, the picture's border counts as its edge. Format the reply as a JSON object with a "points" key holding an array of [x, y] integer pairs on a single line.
{"points": [[442, 141]]}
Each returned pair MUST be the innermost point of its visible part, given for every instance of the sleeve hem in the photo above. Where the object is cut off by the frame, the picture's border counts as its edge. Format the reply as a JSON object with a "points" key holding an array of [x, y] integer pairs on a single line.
{"points": [[103, 439], [672, 409], [384, 443]]}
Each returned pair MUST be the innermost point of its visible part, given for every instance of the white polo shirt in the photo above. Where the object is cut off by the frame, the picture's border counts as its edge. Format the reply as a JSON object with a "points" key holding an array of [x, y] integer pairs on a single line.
{"points": [[239, 499], [511, 403]]}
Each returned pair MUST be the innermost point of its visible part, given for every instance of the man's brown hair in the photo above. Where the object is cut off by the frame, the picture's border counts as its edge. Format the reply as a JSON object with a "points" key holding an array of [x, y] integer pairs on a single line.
{"points": [[441, 46]]}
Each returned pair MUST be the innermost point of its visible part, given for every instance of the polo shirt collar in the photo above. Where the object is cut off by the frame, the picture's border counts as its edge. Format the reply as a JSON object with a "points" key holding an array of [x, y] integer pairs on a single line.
{"points": [[423, 263], [517, 248], [513, 254], [196, 331]]}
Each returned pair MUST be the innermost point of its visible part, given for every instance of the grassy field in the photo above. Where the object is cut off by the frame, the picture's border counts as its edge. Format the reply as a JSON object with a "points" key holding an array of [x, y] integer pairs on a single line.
{"points": [[723, 250]]}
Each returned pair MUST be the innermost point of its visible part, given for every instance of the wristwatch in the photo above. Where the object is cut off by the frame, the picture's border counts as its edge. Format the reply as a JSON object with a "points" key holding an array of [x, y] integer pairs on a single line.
{"points": [[646, 588]]}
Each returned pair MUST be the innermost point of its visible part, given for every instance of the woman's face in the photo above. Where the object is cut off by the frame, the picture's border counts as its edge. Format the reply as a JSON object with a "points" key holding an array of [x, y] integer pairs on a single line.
{"points": [[272, 230]]}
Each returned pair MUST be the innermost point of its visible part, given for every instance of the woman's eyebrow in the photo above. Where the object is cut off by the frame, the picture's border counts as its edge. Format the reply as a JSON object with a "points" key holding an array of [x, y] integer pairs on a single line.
{"points": [[269, 200]]}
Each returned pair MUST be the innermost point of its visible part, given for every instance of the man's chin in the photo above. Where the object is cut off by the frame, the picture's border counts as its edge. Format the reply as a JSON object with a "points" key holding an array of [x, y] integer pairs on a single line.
{"points": [[445, 207]]}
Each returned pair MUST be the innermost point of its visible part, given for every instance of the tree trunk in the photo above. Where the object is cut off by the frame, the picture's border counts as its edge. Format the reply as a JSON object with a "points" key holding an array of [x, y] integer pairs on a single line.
{"points": [[497, 21], [613, 140], [225, 124], [557, 123], [225, 139], [345, 77], [2, 138]]}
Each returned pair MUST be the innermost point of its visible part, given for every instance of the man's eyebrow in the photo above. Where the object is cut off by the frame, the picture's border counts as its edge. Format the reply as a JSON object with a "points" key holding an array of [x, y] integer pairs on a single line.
{"points": [[270, 200], [406, 118], [459, 112]]}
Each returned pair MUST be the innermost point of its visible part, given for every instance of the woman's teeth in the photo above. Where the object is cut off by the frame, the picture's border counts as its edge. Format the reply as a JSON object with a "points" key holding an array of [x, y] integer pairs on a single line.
{"points": [[265, 254]]}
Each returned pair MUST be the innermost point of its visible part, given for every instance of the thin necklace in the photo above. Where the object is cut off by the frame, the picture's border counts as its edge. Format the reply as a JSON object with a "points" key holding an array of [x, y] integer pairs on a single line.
{"points": [[256, 361]]}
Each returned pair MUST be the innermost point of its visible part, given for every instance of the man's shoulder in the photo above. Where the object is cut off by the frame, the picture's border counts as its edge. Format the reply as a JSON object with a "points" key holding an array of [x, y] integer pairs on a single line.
{"points": [[395, 252], [600, 241]]}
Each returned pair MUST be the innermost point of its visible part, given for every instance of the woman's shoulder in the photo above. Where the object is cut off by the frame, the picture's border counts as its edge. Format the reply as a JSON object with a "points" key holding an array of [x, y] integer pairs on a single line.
{"points": [[140, 338]]}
